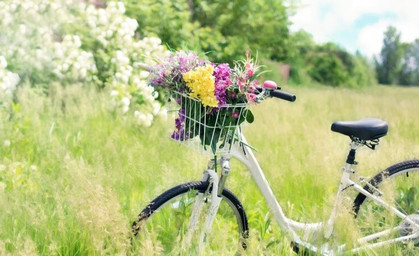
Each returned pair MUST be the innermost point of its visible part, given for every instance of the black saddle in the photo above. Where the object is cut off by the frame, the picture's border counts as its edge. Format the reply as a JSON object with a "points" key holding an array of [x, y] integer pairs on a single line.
{"points": [[364, 129]]}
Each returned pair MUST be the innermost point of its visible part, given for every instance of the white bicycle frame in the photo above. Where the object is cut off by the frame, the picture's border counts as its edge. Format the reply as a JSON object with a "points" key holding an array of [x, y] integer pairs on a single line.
{"points": [[245, 155]]}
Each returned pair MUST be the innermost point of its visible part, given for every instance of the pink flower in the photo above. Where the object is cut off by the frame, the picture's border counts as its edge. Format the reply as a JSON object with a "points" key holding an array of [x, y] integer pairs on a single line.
{"points": [[250, 72], [241, 84], [251, 98]]}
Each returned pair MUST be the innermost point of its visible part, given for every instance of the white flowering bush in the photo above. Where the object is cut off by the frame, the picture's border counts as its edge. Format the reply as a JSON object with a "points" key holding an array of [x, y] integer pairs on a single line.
{"points": [[110, 25], [70, 62], [72, 41], [119, 55], [8, 82], [28, 32]]}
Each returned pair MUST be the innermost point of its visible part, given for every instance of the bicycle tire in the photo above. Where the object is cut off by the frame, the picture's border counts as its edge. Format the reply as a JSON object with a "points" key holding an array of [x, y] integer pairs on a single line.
{"points": [[398, 183], [175, 195]]}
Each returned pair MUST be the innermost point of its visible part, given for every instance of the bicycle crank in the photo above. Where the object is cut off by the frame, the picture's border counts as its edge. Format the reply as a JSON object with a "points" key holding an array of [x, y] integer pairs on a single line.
{"points": [[407, 228]]}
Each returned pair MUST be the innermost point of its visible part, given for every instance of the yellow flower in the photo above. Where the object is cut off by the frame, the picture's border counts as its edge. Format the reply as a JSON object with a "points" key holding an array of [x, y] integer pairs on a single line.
{"points": [[201, 83]]}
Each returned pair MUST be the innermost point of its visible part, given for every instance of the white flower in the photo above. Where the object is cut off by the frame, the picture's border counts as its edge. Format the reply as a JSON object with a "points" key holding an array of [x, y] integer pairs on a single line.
{"points": [[77, 41], [65, 67], [76, 66], [125, 101], [6, 143], [143, 119], [22, 29], [144, 74], [114, 93], [82, 73], [121, 58], [3, 62], [103, 19], [8, 82], [149, 119], [163, 113], [109, 33], [121, 7], [125, 109], [132, 24], [156, 108], [155, 40]]}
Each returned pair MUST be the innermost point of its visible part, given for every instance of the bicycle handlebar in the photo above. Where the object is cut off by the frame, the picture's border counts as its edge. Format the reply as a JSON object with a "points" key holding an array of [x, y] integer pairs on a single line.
{"points": [[283, 95], [274, 91]]}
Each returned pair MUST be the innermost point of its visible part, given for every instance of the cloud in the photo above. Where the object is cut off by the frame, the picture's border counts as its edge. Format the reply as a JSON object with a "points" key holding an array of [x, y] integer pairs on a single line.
{"points": [[327, 19], [370, 38]]}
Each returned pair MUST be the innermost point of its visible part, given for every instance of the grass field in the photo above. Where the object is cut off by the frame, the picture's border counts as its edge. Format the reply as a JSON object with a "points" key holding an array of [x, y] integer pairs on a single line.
{"points": [[74, 173]]}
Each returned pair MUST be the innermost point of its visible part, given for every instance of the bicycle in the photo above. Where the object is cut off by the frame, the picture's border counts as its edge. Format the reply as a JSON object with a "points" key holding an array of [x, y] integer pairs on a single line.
{"points": [[386, 207]]}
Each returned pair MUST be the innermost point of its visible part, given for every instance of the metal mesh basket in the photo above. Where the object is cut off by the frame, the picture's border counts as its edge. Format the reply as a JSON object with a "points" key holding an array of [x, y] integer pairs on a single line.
{"points": [[207, 130]]}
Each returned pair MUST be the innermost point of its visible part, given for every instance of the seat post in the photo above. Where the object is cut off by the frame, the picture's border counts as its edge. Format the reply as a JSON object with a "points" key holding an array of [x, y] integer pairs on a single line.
{"points": [[350, 159], [351, 156]]}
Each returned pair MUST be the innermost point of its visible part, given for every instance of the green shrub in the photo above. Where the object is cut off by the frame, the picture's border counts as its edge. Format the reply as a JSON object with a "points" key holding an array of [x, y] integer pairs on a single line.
{"points": [[331, 65]]}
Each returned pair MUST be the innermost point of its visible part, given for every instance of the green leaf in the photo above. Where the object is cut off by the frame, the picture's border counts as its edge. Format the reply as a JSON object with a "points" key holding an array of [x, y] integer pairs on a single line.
{"points": [[250, 117]]}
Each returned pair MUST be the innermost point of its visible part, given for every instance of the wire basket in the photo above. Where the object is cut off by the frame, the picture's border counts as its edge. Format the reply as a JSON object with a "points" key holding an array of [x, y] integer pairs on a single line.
{"points": [[206, 130]]}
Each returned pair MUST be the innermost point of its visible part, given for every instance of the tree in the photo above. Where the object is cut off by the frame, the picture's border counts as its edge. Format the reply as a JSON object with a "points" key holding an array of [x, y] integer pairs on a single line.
{"points": [[409, 73], [223, 29], [331, 65], [301, 44], [388, 65]]}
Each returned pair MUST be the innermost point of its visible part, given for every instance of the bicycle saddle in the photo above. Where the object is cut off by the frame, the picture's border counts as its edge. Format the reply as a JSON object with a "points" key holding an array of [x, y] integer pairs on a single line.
{"points": [[364, 129]]}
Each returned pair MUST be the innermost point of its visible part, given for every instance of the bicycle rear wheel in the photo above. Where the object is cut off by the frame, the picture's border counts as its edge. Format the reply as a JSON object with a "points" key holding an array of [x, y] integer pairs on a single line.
{"points": [[399, 186], [163, 224]]}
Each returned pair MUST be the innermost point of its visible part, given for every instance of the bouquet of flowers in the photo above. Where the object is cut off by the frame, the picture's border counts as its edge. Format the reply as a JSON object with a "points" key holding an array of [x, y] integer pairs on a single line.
{"points": [[213, 98]]}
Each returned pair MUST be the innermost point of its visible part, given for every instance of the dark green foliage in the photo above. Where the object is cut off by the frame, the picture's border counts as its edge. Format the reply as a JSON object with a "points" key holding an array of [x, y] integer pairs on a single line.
{"points": [[329, 64], [167, 19], [398, 63], [301, 44], [409, 72], [388, 64], [221, 28], [225, 29], [363, 72]]}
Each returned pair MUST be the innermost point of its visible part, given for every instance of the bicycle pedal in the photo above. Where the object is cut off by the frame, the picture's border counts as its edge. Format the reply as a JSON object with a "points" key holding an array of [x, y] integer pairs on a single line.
{"points": [[300, 249]]}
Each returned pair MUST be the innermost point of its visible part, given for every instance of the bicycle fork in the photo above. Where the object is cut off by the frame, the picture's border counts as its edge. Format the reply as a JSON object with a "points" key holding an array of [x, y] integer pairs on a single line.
{"points": [[217, 186]]}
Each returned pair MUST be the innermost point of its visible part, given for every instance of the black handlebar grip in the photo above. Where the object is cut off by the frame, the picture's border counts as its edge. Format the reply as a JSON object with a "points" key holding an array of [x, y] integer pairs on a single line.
{"points": [[283, 95]]}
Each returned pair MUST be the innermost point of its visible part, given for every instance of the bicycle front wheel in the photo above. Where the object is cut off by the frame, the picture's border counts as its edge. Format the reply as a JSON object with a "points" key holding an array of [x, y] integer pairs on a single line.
{"points": [[164, 224], [398, 185]]}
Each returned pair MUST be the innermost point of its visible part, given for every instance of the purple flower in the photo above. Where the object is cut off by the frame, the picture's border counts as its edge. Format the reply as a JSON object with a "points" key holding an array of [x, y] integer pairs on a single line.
{"points": [[222, 81], [182, 113], [179, 132], [169, 73], [235, 115], [180, 135], [186, 61]]}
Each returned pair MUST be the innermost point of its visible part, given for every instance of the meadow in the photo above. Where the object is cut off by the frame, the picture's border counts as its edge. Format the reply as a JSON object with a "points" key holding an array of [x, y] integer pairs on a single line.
{"points": [[74, 173]]}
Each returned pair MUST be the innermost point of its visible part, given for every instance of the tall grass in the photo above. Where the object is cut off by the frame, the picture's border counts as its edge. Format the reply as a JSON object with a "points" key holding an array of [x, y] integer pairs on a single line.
{"points": [[76, 173]]}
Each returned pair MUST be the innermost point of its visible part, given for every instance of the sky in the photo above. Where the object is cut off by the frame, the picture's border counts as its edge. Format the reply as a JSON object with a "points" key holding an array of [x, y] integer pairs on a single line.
{"points": [[357, 24]]}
